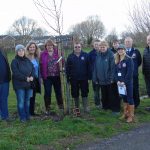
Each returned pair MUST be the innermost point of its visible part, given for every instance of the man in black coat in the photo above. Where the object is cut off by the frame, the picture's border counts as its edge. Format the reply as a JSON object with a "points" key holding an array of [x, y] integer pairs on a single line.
{"points": [[146, 65], [137, 60]]}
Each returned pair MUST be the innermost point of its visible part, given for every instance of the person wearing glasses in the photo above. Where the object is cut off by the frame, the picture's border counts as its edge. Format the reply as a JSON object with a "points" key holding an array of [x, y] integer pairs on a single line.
{"points": [[77, 75]]}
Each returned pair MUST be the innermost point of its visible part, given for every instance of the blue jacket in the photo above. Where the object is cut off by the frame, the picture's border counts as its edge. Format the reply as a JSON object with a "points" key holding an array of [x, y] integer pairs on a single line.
{"points": [[77, 67], [137, 59], [21, 69], [124, 70], [104, 68], [91, 61]]}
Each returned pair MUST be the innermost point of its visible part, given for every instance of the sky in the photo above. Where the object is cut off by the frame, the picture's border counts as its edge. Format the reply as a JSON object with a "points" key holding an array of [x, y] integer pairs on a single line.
{"points": [[113, 13]]}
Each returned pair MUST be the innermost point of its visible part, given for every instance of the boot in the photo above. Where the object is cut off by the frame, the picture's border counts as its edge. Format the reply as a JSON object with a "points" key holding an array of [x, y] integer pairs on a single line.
{"points": [[47, 105], [131, 114], [85, 104], [76, 110], [125, 111], [76, 101]]}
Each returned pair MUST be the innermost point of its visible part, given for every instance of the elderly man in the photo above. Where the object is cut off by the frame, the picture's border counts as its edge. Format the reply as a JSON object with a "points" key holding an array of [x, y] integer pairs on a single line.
{"points": [[137, 60]]}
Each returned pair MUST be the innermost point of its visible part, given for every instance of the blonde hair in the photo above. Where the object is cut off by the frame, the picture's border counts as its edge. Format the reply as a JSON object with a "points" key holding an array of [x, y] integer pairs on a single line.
{"points": [[103, 43], [117, 57], [37, 50]]}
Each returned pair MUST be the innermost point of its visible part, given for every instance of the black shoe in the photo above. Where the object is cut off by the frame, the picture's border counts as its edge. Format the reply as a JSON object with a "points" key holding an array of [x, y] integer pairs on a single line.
{"points": [[35, 115], [147, 109]]}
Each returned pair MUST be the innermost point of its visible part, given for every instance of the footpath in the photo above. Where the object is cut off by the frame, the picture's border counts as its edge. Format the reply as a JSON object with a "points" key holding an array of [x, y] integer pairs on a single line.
{"points": [[136, 139]]}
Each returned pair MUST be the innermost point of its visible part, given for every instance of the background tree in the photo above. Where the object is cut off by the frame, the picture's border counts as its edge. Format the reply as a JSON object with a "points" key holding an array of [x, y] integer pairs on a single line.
{"points": [[51, 11], [90, 29], [112, 36], [25, 28], [139, 17]]}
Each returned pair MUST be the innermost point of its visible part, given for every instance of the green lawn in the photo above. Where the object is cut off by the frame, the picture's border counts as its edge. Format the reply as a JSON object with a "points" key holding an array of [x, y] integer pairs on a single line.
{"points": [[47, 134]]}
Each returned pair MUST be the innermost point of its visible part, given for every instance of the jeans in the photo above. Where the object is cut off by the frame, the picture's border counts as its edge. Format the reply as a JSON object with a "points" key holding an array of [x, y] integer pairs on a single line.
{"points": [[23, 103], [4, 90]]}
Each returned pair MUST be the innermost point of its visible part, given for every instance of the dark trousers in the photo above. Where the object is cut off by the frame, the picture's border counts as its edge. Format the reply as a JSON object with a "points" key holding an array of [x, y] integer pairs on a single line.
{"points": [[110, 97], [147, 82], [56, 83], [32, 103], [136, 91], [115, 102], [129, 97], [77, 85], [96, 89]]}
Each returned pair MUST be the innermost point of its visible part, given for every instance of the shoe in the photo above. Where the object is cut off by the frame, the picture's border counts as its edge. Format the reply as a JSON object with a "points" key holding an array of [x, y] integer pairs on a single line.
{"points": [[98, 106], [147, 109], [23, 121], [35, 115]]}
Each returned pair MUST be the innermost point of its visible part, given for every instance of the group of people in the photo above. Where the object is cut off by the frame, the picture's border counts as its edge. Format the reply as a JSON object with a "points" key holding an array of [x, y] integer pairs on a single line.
{"points": [[107, 68]]}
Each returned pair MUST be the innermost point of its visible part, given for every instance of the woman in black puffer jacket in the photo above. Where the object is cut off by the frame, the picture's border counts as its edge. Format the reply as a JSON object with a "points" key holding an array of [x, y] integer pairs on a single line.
{"points": [[22, 77]]}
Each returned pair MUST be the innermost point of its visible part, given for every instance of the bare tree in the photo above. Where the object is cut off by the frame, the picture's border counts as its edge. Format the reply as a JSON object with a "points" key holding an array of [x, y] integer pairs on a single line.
{"points": [[90, 29], [25, 28], [51, 11], [112, 36], [139, 17]]}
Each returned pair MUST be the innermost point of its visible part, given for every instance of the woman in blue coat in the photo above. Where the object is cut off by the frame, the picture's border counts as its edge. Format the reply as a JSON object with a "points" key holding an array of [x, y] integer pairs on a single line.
{"points": [[124, 77]]}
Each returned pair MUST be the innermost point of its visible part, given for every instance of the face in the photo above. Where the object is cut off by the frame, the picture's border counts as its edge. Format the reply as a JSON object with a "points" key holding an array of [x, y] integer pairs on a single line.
{"points": [[102, 48], [116, 45], [50, 47], [148, 40], [96, 45], [21, 52], [77, 48], [128, 43], [121, 52], [32, 49]]}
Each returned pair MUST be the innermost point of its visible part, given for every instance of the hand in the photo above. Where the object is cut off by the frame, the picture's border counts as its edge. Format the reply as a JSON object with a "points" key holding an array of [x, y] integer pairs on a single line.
{"points": [[31, 78], [118, 83], [28, 79]]}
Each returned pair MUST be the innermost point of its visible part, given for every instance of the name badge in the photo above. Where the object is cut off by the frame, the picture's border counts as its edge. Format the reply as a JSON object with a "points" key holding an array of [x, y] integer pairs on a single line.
{"points": [[119, 74]]}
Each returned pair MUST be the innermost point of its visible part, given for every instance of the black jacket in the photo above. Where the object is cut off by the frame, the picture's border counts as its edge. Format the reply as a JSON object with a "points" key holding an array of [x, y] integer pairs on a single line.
{"points": [[21, 69], [77, 67], [7, 64], [146, 62]]}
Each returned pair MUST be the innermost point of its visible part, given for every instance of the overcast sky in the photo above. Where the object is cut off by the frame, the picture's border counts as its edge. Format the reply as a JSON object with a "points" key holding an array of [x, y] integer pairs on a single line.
{"points": [[113, 13]]}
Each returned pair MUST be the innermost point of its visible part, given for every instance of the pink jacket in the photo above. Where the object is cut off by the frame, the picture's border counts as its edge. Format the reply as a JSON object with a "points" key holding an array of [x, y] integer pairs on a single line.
{"points": [[44, 62]]}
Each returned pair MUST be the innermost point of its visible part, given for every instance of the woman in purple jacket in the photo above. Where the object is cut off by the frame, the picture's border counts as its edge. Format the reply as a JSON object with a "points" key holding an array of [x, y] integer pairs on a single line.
{"points": [[50, 72]]}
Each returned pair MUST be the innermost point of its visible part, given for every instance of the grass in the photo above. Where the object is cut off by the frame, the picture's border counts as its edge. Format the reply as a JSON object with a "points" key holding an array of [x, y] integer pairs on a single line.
{"points": [[46, 134]]}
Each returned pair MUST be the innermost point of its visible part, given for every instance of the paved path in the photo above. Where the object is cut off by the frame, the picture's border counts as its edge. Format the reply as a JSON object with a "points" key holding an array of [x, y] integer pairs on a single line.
{"points": [[137, 139]]}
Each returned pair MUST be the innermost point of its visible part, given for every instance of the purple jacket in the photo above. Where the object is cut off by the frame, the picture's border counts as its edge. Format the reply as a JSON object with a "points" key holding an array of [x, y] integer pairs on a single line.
{"points": [[44, 62]]}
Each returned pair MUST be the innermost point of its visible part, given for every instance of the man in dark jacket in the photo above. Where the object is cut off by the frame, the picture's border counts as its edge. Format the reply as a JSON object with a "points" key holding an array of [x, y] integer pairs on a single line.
{"points": [[146, 67], [91, 61], [77, 75], [137, 60], [4, 85]]}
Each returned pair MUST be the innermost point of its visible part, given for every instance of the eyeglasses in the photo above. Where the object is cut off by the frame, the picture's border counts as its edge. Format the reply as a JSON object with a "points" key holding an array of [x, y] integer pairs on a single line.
{"points": [[77, 47]]}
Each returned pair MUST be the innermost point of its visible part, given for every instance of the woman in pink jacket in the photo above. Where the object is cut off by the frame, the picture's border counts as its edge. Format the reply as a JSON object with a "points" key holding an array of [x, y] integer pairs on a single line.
{"points": [[50, 72]]}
